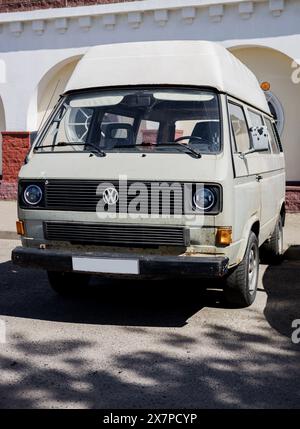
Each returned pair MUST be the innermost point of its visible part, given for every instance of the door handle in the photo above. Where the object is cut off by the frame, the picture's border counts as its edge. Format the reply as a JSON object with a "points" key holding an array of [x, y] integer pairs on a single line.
{"points": [[258, 177]]}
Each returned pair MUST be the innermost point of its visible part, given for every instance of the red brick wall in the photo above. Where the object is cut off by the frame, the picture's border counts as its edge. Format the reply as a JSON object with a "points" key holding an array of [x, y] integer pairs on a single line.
{"points": [[17, 5], [293, 199], [15, 146], [8, 191]]}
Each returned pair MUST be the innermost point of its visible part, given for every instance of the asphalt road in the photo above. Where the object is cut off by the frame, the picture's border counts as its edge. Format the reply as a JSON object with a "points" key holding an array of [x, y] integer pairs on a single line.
{"points": [[136, 344]]}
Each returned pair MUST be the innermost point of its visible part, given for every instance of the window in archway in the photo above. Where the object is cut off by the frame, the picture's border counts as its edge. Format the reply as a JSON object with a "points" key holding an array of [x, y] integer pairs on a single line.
{"points": [[276, 110], [78, 123]]}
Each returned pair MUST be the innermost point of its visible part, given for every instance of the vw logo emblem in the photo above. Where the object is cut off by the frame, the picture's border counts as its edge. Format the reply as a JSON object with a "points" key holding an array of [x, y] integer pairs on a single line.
{"points": [[110, 196]]}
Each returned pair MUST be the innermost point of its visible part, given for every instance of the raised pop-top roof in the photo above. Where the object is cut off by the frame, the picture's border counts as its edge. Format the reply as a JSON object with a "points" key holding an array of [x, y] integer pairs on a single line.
{"points": [[198, 63]]}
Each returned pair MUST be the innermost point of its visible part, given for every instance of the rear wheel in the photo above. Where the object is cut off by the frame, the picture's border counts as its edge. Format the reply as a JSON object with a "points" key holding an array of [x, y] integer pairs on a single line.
{"points": [[272, 249], [241, 283], [67, 284]]}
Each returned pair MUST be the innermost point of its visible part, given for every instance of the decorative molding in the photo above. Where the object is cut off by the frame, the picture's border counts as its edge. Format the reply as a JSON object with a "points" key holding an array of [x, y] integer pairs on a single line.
{"points": [[188, 14], [16, 28], [85, 23], [134, 19], [246, 9], [161, 17], [109, 21], [216, 12], [276, 7], [134, 11], [61, 25], [38, 26]]}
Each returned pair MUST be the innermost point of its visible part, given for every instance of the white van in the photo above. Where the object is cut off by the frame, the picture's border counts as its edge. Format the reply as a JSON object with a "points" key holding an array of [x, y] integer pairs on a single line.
{"points": [[161, 159]]}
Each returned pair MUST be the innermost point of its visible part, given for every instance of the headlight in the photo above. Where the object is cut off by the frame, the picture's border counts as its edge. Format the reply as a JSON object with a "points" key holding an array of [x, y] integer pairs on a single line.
{"points": [[33, 195], [204, 199], [207, 199]]}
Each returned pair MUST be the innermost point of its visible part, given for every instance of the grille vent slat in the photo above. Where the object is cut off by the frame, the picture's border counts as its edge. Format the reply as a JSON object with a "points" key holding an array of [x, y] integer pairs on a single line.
{"points": [[104, 234], [80, 195]]}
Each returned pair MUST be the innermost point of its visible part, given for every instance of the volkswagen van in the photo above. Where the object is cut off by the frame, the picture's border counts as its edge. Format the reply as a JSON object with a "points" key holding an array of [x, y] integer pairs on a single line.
{"points": [[160, 160]]}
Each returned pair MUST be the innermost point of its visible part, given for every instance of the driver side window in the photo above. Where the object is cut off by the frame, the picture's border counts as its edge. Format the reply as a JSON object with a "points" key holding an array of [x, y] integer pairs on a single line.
{"points": [[239, 128]]}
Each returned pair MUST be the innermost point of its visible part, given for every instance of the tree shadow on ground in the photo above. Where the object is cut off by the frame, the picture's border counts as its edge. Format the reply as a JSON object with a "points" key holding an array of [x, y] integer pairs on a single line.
{"points": [[282, 285], [26, 293], [250, 371], [216, 366]]}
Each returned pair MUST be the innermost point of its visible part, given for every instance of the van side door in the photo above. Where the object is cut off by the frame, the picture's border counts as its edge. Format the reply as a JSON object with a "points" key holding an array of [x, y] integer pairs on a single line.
{"points": [[271, 177], [247, 200], [264, 165], [277, 174]]}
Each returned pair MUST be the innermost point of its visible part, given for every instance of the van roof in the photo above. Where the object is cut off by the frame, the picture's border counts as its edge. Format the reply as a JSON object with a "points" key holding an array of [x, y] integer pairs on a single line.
{"points": [[199, 63]]}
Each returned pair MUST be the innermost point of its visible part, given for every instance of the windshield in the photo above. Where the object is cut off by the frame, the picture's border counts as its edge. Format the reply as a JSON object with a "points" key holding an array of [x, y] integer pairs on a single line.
{"points": [[137, 119]]}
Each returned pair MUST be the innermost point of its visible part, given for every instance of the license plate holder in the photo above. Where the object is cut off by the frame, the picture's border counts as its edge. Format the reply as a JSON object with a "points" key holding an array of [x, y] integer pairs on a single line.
{"points": [[106, 265]]}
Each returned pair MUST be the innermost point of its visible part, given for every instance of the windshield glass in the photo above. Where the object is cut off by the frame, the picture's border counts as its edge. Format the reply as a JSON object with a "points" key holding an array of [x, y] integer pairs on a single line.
{"points": [[135, 119]]}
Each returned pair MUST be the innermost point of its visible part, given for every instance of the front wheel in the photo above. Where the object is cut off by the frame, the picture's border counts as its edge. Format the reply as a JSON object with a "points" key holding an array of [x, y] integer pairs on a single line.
{"points": [[67, 284], [241, 284]]}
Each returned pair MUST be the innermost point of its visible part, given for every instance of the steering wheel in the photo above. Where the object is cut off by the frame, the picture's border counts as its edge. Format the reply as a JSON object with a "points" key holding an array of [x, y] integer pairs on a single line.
{"points": [[179, 139]]}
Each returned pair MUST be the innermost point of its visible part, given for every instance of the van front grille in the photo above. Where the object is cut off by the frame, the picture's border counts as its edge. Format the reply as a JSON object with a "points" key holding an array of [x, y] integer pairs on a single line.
{"points": [[82, 196], [111, 234]]}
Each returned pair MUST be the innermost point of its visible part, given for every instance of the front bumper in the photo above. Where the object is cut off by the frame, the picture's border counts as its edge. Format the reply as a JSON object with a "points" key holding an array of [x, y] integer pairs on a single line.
{"points": [[149, 266]]}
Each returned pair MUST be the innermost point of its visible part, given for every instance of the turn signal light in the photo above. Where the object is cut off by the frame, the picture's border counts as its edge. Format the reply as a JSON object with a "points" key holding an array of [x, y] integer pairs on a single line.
{"points": [[224, 236], [20, 227], [265, 86]]}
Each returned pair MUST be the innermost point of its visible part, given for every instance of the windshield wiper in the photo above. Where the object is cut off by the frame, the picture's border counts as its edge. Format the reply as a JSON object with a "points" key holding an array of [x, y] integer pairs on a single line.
{"points": [[60, 144], [185, 146]]}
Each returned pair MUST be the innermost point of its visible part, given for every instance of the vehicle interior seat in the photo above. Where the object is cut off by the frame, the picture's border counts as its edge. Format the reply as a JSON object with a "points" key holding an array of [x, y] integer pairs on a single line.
{"points": [[117, 134], [209, 131]]}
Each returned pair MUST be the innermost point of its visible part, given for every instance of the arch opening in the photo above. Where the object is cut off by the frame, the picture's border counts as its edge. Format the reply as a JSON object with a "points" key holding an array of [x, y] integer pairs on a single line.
{"points": [[284, 96], [48, 90]]}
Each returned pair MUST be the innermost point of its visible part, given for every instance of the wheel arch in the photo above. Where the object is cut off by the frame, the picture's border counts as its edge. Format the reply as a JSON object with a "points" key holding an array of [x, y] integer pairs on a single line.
{"points": [[283, 213], [253, 225]]}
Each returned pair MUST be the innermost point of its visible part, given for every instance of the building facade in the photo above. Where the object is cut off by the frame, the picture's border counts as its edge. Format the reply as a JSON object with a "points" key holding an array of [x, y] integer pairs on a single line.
{"points": [[42, 41]]}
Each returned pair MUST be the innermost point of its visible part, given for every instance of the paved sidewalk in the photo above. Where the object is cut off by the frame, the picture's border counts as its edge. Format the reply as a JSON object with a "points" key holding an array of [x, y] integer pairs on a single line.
{"points": [[139, 344], [8, 217], [292, 236]]}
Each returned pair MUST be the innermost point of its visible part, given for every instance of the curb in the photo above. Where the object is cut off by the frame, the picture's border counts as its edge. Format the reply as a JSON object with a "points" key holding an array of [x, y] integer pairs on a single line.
{"points": [[9, 235]]}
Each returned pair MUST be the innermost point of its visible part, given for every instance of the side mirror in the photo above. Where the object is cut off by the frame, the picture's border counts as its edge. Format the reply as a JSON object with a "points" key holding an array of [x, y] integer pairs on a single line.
{"points": [[260, 138]]}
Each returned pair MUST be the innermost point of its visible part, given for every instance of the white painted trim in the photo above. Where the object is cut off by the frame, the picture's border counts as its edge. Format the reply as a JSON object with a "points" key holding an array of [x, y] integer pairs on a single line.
{"points": [[127, 7]]}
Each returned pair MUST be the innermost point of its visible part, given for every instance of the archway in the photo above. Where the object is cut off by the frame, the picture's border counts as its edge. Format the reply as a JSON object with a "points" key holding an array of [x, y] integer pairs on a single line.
{"points": [[50, 87], [284, 97]]}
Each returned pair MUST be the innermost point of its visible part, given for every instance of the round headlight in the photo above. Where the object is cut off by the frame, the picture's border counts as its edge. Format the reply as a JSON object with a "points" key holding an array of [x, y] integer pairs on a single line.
{"points": [[33, 195], [204, 199]]}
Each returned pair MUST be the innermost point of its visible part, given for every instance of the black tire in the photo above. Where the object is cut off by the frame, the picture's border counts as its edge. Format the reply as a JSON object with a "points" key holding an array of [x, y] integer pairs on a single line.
{"points": [[67, 284], [240, 287], [272, 249]]}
